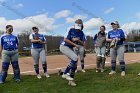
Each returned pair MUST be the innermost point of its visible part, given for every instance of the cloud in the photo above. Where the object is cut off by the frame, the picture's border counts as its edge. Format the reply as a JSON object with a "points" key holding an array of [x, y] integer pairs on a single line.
{"points": [[17, 6], [63, 13], [71, 20], [127, 27], [88, 33], [93, 23], [1, 1], [47, 24], [109, 10], [90, 24], [3, 22]]}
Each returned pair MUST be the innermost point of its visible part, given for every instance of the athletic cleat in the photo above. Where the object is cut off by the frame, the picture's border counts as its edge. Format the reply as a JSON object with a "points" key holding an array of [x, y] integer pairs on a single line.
{"points": [[46, 75], [112, 72], [38, 76], [123, 73], [139, 74], [83, 70], [72, 83]]}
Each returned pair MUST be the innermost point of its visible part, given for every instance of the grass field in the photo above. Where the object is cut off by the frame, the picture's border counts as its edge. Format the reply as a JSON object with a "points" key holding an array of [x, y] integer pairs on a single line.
{"points": [[89, 82]]}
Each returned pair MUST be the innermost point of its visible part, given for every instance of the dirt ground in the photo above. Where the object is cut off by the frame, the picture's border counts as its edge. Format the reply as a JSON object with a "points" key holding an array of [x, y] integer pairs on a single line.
{"points": [[57, 62]]}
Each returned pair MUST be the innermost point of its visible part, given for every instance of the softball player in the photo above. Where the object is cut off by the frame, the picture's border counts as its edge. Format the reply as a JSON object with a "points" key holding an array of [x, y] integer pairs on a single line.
{"points": [[71, 38], [117, 47], [9, 48], [38, 51], [81, 52], [81, 49], [100, 47]]}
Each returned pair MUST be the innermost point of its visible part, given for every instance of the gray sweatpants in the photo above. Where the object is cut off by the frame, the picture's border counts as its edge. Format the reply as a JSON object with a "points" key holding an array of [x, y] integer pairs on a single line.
{"points": [[38, 54], [80, 52], [118, 51], [68, 52], [9, 56]]}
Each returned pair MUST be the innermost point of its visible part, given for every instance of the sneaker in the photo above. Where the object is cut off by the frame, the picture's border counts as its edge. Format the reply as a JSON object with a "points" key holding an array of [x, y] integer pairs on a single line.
{"points": [[83, 71], [102, 70], [68, 74], [123, 73], [112, 72], [38, 76], [97, 70], [46, 75], [72, 83], [139, 74], [64, 75], [17, 80], [76, 71], [1, 82], [69, 78]]}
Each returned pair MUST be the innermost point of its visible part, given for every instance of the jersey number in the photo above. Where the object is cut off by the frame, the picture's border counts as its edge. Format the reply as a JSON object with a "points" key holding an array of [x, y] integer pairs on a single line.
{"points": [[9, 43]]}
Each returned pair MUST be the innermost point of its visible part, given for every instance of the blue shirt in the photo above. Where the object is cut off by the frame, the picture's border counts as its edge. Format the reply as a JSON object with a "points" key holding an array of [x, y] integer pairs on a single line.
{"points": [[117, 34], [72, 33], [37, 45], [9, 42]]}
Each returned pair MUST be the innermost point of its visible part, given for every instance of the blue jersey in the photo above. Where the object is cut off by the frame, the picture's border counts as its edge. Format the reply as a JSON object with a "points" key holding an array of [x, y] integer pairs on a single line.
{"points": [[9, 42], [72, 33], [117, 34], [37, 45]]}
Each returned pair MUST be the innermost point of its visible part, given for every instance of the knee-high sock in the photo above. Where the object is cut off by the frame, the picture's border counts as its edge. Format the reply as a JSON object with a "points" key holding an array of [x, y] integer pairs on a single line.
{"points": [[113, 63], [73, 69], [44, 67], [5, 66], [82, 64], [69, 67], [16, 69], [36, 67], [122, 64]]}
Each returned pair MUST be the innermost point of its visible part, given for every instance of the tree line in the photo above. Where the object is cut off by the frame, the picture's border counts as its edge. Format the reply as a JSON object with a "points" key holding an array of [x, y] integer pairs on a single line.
{"points": [[53, 42]]}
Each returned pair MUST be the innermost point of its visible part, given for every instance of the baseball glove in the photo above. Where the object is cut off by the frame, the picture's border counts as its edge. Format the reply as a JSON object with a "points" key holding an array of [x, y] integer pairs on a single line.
{"points": [[113, 43], [36, 37]]}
